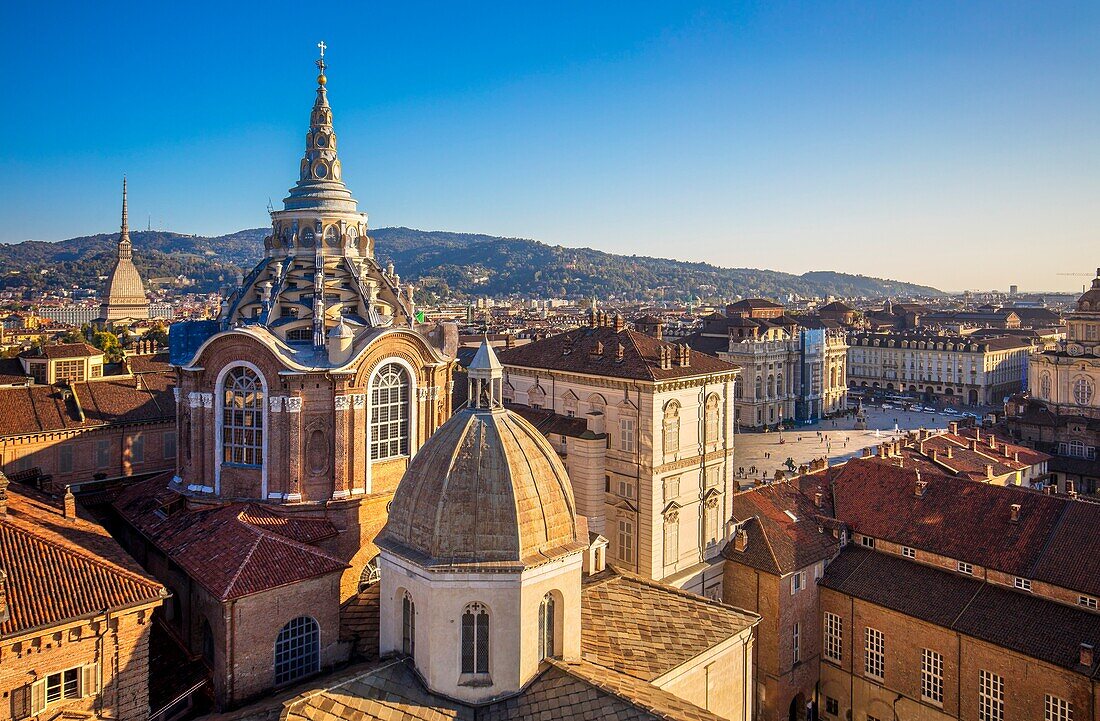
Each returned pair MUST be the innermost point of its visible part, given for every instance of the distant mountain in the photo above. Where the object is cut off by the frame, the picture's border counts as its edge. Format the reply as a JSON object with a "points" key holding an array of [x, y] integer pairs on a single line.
{"points": [[442, 264]]}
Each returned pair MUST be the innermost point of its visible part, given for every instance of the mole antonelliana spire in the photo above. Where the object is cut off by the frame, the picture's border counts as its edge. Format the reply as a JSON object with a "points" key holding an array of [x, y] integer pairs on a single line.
{"points": [[124, 293]]}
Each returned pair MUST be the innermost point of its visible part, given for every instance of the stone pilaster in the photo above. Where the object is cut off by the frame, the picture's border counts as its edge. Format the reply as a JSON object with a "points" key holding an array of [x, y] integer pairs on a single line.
{"points": [[293, 405], [341, 412], [276, 448], [357, 467]]}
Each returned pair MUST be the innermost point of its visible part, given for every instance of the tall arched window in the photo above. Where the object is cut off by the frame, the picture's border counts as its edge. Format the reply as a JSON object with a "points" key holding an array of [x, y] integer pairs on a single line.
{"points": [[771, 386], [711, 421], [546, 627], [243, 418], [297, 650], [408, 626], [672, 428], [780, 389], [389, 413], [759, 392], [475, 639]]}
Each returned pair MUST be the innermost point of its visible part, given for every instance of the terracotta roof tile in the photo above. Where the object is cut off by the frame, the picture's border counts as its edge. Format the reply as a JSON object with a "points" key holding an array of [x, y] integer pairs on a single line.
{"points": [[233, 550], [778, 543], [578, 351], [38, 546], [37, 408], [58, 351]]}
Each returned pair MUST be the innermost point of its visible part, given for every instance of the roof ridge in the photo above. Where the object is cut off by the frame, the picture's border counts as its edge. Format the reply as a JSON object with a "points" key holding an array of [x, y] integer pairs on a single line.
{"points": [[631, 700], [645, 361], [1041, 555], [768, 543], [240, 568], [669, 588]]}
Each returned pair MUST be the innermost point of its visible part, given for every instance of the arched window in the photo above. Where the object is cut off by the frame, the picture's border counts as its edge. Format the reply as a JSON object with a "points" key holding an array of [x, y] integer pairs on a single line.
{"points": [[297, 650], [759, 391], [389, 413], [475, 639], [1082, 392], [780, 389], [408, 626], [243, 418], [771, 386], [546, 627], [371, 574], [711, 420], [672, 428]]}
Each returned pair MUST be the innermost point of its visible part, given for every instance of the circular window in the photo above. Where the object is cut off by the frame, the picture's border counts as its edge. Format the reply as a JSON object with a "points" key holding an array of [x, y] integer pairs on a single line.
{"points": [[322, 141], [320, 170], [1082, 392]]}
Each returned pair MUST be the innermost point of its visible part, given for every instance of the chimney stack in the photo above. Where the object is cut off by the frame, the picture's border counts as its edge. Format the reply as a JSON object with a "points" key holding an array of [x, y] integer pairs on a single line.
{"points": [[953, 427], [989, 471], [950, 451], [619, 322], [993, 441], [819, 499], [70, 503], [3, 494], [977, 434], [1016, 456], [741, 541], [1015, 518], [920, 487], [1086, 655]]}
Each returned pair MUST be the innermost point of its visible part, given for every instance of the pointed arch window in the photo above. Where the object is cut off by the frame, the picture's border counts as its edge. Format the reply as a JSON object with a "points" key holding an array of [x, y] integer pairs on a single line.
{"points": [[546, 627], [242, 417], [475, 639], [389, 419], [672, 428], [408, 626]]}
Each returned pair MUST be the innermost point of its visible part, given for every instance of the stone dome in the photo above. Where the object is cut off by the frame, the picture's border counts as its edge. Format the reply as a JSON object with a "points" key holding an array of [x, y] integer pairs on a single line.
{"points": [[124, 285], [1090, 301], [486, 492]]}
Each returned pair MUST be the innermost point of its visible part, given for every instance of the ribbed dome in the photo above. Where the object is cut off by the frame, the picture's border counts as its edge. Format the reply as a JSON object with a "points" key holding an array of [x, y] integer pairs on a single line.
{"points": [[124, 285], [486, 490]]}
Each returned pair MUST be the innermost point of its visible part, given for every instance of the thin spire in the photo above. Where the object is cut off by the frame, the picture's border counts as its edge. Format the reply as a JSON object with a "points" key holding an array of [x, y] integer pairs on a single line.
{"points": [[125, 248]]}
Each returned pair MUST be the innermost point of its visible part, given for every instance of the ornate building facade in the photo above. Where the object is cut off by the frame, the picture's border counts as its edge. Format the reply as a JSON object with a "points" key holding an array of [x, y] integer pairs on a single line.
{"points": [[298, 411], [124, 298]]}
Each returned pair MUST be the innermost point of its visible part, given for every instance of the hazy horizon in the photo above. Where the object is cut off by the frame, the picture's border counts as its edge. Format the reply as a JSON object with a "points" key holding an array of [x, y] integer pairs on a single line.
{"points": [[950, 145]]}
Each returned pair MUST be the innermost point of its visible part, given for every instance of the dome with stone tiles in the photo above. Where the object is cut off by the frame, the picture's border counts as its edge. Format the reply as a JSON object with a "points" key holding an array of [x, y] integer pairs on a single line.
{"points": [[486, 492]]}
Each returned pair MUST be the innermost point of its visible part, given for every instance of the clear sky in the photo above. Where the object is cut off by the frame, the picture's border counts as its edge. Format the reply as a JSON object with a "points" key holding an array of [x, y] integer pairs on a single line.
{"points": [[949, 143]]}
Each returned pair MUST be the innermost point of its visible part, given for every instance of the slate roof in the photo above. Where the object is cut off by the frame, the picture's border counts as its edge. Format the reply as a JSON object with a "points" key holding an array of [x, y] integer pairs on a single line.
{"points": [[150, 363], [575, 351], [644, 629], [777, 543], [38, 408], [11, 372], [1015, 620], [547, 421], [232, 550], [39, 548]]}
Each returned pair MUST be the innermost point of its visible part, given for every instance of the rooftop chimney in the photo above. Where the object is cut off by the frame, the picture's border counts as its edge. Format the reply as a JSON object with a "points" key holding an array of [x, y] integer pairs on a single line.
{"points": [[70, 503], [989, 471], [741, 541], [619, 322], [1015, 518], [950, 451], [993, 441], [819, 499], [953, 427], [977, 434], [1016, 456], [1086, 655], [920, 487], [3, 494]]}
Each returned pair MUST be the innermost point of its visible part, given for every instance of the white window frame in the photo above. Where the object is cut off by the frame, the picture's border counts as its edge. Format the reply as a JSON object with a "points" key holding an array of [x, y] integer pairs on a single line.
{"points": [[627, 434], [867, 541], [1024, 584], [796, 634], [798, 582], [1057, 709], [398, 440], [672, 541], [991, 696], [908, 552], [964, 567], [625, 546], [931, 676], [1087, 602], [874, 653], [833, 637]]}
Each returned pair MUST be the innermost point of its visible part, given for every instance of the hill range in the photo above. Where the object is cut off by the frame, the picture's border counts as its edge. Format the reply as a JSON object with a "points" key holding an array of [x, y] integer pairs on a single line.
{"points": [[442, 264]]}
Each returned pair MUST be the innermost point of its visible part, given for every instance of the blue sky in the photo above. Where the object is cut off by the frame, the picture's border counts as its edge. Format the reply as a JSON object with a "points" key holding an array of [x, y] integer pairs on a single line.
{"points": [[947, 143]]}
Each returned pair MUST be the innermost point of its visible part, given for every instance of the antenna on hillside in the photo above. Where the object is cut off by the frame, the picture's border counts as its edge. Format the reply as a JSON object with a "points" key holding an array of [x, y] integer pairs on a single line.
{"points": [[270, 207], [149, 224]]}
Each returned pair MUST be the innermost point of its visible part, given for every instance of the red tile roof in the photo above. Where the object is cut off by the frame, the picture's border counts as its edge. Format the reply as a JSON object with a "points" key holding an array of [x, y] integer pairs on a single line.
{"points": [[59, 351], [37, 408], [955, 517], [579, 351], [60, 569], [232, 550], [778, 543]]}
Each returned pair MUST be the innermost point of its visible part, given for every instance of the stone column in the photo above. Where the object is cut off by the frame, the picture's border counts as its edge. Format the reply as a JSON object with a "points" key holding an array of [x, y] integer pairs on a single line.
{"points": [[197, 478], [340, 481], [294, 448]]}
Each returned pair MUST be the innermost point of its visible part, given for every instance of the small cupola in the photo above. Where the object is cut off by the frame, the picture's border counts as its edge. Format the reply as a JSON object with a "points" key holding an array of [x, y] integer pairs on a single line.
{"points": [[486, 389]]}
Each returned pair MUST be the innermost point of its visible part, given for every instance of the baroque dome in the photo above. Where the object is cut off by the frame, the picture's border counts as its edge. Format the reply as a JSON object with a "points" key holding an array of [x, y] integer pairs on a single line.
{"points": [[1090, 301], [486, 492]]}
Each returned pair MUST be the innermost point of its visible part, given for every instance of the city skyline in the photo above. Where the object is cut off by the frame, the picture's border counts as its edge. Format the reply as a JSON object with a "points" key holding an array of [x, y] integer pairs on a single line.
{"points": [[772, 137]]}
